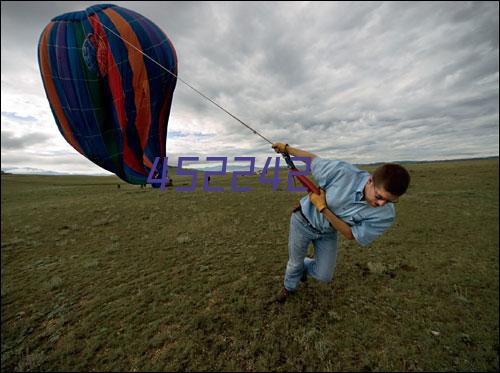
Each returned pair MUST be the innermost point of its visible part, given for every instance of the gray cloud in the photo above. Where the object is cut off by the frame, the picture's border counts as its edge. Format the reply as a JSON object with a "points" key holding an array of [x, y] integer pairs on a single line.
{"points": [[364, 82], [18, 118], [12, 141]]}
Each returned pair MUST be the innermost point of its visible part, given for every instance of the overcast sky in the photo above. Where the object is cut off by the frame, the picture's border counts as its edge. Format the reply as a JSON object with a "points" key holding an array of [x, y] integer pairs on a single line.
{"points": [[363, 81]]}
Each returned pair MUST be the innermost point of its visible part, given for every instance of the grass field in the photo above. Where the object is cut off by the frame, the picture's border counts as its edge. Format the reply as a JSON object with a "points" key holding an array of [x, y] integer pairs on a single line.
{"points": [[100, 278]]}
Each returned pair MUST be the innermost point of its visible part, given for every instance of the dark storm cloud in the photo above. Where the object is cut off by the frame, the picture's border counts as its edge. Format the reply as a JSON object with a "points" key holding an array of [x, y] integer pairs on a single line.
{"points": [[363, 81]]}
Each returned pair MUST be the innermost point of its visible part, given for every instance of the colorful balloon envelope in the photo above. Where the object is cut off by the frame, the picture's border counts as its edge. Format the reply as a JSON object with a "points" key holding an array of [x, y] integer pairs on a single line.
{"points": [[109, 100]]}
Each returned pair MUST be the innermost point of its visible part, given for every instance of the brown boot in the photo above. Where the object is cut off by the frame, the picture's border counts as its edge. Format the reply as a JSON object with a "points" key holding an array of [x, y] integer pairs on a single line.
{"points": [[283, 296]]}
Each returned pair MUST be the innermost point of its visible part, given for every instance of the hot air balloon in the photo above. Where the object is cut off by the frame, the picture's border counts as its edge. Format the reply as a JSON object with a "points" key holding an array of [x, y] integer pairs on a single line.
{"points": [[109, 74]]}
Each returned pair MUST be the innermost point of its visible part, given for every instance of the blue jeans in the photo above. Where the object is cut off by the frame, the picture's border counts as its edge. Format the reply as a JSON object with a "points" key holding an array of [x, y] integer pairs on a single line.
{"points": [[325, 252]]}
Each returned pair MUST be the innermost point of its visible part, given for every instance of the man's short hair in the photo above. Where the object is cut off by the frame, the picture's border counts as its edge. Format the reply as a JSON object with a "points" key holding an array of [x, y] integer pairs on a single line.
{"points": [[393, 178]]}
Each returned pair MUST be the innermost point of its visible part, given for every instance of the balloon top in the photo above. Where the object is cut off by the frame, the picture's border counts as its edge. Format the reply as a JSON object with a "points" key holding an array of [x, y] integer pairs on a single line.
{"points": [[82, 14]]}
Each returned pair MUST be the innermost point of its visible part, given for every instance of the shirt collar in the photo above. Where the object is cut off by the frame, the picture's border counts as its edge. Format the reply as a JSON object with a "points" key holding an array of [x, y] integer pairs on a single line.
{"points": [[361, 185]]}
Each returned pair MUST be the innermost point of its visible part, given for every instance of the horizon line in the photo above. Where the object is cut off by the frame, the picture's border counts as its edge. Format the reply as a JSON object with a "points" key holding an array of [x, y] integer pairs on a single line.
{"points": [[62, 173]]}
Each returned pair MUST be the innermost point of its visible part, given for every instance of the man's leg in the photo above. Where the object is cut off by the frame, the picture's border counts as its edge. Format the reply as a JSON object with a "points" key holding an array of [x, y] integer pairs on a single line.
{"points": [[299, 237], [322, 266]]}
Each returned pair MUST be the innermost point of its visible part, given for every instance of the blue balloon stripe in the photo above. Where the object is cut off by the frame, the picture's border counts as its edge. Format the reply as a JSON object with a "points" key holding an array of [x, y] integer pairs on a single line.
{"points": [[89, 96]]}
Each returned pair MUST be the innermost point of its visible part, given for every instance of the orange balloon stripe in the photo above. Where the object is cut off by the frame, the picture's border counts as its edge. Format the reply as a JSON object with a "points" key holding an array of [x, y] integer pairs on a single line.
{"points": [[52, 91], [116, 87], [140, 80]]}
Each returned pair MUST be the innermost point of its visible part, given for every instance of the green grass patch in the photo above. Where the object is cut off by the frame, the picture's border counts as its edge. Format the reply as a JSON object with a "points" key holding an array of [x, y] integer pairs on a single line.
{"points": [[96, 277]]}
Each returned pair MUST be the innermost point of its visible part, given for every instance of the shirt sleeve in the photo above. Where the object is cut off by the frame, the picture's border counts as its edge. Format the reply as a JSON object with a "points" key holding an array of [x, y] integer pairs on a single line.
{"points": [[325, 170], [368, 230]]}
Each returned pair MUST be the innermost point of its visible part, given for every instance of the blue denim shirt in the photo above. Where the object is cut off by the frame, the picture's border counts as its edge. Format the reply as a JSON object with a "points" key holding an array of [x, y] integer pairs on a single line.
{"points": [[344, 184]]}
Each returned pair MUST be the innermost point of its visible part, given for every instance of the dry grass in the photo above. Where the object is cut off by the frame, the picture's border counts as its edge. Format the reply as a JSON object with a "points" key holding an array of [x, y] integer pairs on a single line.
{"points": [[100, 278]]}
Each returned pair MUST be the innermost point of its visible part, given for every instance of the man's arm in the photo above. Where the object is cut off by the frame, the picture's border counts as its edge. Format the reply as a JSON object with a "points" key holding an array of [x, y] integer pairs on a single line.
{"points": [[285, 148], [299, 153], [320, 202], [338, 224]]}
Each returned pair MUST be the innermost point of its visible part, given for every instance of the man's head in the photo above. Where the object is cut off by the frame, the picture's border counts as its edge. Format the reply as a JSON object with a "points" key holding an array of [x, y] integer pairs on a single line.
{"points": [[386, 184]]}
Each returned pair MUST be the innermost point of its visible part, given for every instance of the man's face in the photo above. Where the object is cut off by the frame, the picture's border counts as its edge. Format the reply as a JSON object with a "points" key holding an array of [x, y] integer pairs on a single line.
{"points": [[378, 196]]}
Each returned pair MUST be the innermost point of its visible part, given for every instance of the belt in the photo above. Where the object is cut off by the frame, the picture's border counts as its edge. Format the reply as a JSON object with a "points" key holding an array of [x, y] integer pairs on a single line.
{"points": [[298, 208]]}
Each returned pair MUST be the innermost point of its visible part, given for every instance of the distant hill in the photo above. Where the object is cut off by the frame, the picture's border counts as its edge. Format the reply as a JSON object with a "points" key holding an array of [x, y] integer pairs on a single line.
{"points": [[39, 171], [230, 168], [431, 161]]}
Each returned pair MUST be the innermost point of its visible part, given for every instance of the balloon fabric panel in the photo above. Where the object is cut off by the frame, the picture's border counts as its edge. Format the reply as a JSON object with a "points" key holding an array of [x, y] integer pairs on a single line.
{"points": [[110, 102]]}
